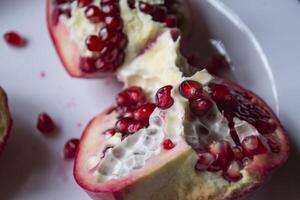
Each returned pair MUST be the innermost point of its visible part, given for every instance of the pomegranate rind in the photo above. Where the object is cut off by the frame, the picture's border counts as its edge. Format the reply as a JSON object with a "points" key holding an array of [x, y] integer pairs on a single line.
{"points": [[5, 120]]}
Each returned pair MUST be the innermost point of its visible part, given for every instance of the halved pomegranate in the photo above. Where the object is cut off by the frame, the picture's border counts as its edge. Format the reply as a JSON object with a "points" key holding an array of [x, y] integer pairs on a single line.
{"points": [[5, 120], [215, 140], [95, 37]]}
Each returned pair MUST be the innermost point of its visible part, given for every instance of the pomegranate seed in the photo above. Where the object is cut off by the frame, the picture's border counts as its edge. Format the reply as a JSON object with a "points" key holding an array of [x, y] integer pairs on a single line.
{"points": [[103, 66], [253, 146], [110, 55], [94, 43], [122, 40], [220, 93], [127, 112], [94, 14], [163, 97], [83, 3], [145, 7], [110, 132], [45, 124], [171, 21], [132, 96], [233, 172], [175, 33], [111, 9], [134, 126], [71, 148], [201, 106], [205, 160], [223, 154], [238, 153], [113, 23], [168, 144], [218, 65], [87, 65], [143, 112], [159, 14], [190, 89], [265, 127], [14, 39], [108, 36], [122, 125]]}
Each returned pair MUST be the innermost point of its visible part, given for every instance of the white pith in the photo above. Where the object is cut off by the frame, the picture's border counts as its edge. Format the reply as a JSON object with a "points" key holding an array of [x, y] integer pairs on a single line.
{"points": [[138, 26]]}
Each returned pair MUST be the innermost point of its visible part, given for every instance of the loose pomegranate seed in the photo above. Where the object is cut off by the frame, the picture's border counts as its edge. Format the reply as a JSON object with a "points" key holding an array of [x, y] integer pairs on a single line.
{"points": [[113, 23], [134, 126], [87, 65], [111, 9], [159, 14], [252, 146], [190, 89], [94, 43], [122, 125], [108, 36], [163, 97], [205, 160], [201, 106], [110, 132], [146, 8], [233, 172], [83, 3], [14, 39], [171, 21], [143, 112], [222, 152], [220, 93], [132, 96], [94, 14], [45, 124], [168, 144], [70, 148], [265, 127]]}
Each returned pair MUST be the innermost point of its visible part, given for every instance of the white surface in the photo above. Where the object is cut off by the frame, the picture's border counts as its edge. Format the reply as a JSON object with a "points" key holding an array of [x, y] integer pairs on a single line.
{"points": [[32, 167]]}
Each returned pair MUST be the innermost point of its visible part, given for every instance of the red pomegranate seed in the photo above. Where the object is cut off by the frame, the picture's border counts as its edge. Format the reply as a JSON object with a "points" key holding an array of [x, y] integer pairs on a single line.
{"points": [[45, 124], [159, 14], [14, 39], [71, 148], [94, 43], [171, 21], [87, 65], [175, 33], [163, 97], [145, 7], [122, 125], [110, 132], [111, 9], [265, 127], [94, 14], [220, 93], [252, 146], [134, 126], [205, 160], [201, 106], [238, 153], [83, 3], [222, 152], [127, 112], [108, 36], [113, 23], [132, 96], [233, 172], [103, 66], [168, 144], [218, 65], [143, 112], [122, 40], [110, 55], [190, 89]]}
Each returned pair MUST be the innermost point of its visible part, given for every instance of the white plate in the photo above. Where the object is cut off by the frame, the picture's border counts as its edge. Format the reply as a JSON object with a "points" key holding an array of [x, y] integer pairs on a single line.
{"points": [[32, 166]]}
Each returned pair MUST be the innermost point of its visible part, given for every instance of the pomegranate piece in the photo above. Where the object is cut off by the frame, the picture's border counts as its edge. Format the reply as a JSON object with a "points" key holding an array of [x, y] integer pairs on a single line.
{"points": [[14, 39], [45, 124], [70, 148], [163, 97], [5, 120]]}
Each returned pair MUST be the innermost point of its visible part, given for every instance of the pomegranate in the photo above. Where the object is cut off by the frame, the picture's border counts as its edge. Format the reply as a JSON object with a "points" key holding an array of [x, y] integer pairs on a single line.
{"points": [[5, 120], [93, 38]]}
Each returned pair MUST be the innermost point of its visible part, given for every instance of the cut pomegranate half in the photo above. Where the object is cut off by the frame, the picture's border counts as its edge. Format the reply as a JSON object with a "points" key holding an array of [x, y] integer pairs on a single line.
{"points": [[94, 38], [5, 120], [222, 152]]}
